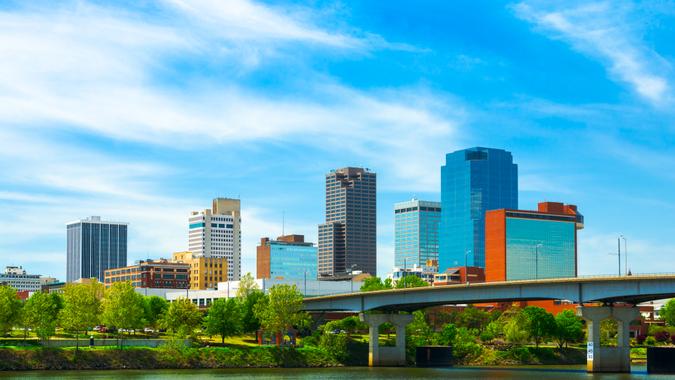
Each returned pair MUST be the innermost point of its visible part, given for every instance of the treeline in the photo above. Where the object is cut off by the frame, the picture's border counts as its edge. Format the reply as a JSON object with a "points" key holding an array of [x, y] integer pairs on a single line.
{"points": [[121, 309]]}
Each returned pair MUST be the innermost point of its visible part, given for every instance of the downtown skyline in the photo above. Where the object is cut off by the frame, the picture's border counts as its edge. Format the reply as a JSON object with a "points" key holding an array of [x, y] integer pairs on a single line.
{"points": [[145, 113]]}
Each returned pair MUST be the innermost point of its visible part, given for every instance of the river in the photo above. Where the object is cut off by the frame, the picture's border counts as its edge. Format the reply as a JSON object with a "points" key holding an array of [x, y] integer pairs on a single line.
{"points": [[351, 373]]}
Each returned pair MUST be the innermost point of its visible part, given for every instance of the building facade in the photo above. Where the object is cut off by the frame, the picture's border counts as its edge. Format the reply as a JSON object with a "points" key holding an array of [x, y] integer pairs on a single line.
{"points": [[204, 272], [17, 278], [416, 233], [288, 257], [93, 246], [151, 274], [216, 233], [460, 275], [347, 240], [529, 245], [473, 181]]}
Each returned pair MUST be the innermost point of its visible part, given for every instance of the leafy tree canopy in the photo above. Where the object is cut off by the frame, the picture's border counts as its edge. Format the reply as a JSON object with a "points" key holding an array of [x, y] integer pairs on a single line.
{"points": [[410, 281], [667, 312], [81, 306], [247, 285], [123, 307], [282, 309], [41, 312], [541, 324], [569, 328], [375, 283], [182, 317], [224, 318], [10, 309]]}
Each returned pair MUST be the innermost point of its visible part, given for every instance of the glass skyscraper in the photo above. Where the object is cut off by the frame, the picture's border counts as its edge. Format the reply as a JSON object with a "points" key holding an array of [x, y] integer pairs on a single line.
{"points": [[416, 232], [473, 181], [93, 246]]}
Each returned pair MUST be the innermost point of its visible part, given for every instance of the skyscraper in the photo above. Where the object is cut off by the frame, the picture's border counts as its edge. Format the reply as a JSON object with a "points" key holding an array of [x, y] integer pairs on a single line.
{"points": [[473, 181], [216, 233], [347, 241], [289, 257], [416, 233], [93, 246]]}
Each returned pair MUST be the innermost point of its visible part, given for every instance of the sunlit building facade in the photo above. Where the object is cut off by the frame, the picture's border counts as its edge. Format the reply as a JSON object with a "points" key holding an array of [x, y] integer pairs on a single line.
{"points": [[94, 245], [288, 257], [416, 225]]}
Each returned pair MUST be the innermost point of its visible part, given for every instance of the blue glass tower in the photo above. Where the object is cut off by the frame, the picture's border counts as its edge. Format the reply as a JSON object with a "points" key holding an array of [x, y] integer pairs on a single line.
{"points": [[416, 233], [473, 181]]}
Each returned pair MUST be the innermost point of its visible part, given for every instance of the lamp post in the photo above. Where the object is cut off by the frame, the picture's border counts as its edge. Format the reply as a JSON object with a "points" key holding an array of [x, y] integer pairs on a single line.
{"points": [[466, 265], [351, 277], [536, 260], [625, 254]]}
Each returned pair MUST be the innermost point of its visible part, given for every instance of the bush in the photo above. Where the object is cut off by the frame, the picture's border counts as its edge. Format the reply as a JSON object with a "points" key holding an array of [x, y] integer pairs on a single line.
{"points": [[464, 345], [662, 336], [335, 345], [486, 336], [650, 341], [640, 338]]}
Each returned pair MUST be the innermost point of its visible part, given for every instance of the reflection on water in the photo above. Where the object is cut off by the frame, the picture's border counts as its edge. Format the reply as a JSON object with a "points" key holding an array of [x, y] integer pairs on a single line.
{"points": [[352, 373]]}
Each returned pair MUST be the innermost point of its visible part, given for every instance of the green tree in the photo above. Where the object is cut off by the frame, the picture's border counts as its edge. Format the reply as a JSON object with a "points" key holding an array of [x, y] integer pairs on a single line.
{"points": [[281, 310], [464, 344], [473, 318], [515, 326], [375, 283], [447, 334], [40, 313], [182, 317], [418, 331], [569, 328], [540, 323], [250, 322], [667, 312], [224, 318], [155, 307], [247, 285], [410, 281], [10, 309], [81, 307], [123, 307]]}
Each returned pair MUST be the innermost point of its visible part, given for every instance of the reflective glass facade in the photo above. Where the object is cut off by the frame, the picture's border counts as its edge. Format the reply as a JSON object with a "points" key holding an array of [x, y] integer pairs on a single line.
{"points": [[554, 258], [416, 232], [291, 261], [473, 181], [94, 246]]}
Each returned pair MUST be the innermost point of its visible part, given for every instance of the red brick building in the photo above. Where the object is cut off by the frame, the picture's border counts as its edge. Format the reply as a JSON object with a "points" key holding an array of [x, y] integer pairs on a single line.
{"points": [[160, 273]]}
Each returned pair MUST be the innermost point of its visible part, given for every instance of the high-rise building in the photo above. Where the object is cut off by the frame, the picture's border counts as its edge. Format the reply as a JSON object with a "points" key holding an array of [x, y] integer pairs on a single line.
{"points": [[288, 257], [17, 278], [347, 241], [160, 273], [205, 272], [416, 233], [473, 181], [93, 246], [529, 245], [216, 233]]}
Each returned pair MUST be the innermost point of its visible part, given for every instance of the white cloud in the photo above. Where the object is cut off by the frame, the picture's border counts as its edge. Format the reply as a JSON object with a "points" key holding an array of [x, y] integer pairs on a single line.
{"points": [[607, 31]]}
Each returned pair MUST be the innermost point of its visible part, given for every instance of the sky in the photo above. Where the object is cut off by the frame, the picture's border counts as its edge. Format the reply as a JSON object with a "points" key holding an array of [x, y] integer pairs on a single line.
{"points": [[142, 111]]}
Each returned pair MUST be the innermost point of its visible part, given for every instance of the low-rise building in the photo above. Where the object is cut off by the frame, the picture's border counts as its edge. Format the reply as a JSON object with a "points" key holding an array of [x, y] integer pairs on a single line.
{"points": [[205, 272], [288, 257], [151, 274], [424, 272], [17, 278], [460, 275]]}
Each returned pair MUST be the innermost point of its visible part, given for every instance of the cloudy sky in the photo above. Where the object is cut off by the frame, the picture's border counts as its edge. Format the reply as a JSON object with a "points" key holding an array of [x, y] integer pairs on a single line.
{"points": [[142, 111]]}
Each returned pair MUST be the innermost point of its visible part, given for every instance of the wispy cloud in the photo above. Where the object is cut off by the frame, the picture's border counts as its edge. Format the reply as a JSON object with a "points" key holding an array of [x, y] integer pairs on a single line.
{"points": [[608, 32]]}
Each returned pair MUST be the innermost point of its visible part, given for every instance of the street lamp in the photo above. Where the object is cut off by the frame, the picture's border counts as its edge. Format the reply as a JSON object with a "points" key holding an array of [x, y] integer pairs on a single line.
{"points": [[625, 253], [466, 265], [536, 260]]}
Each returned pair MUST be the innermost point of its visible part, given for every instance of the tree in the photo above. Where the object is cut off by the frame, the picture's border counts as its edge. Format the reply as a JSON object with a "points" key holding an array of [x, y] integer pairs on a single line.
{"points": [[123, 307], [247, 285], [281, 310], [375, 283], [182, 317], [447, 334], [419, 331], [81, 307], [40, 313], [410, 281], [541, 324], [250, 322], [224, 318], [667, 312], [155, 307], [464, 344], [473, 318], [569, 328], [10, 309], [515, 326]]}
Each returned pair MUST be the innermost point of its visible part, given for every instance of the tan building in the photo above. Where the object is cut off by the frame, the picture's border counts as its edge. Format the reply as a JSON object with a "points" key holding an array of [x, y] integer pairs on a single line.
{"points": [[205, 272], [216, 233]]}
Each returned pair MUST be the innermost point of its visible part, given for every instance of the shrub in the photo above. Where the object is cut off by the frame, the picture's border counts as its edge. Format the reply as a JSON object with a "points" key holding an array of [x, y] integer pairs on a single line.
{"points": [[662, 336], [650, 341], [486, 336], [335, 345], [640, 338]]}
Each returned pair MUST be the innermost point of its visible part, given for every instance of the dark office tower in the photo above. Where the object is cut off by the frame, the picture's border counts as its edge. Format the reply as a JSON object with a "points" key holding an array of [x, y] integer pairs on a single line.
{"points": [[347, 241], [94, 246], [473, 181]]}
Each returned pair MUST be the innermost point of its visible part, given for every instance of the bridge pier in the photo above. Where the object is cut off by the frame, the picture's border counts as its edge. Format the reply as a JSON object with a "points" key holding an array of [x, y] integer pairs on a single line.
{"points": [[608, 359], [386, 356]]}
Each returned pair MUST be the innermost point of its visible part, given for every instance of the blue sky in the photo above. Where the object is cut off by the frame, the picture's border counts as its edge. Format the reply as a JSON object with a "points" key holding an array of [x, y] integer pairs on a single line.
{"points": [[144, 111]]}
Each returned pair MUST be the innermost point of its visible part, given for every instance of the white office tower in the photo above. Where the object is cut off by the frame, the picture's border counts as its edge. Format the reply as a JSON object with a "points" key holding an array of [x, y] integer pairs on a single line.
{"points": [[216, 232]]}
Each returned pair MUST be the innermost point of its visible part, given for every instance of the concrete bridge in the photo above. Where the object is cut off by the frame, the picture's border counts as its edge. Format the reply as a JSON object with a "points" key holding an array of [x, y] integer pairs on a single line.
{"points": [[606, 290]]}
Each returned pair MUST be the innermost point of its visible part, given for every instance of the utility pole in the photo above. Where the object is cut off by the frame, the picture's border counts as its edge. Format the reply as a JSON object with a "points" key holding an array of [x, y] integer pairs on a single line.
{"points": [[625, 254], [618, 252]]}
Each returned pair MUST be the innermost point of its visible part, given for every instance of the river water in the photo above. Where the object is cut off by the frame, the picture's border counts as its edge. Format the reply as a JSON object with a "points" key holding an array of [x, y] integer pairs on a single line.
{"points": [[351, 373]]}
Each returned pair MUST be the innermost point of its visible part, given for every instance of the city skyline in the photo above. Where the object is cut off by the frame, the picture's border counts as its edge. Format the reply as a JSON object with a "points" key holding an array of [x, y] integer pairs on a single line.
{"points": [[157, 108]]}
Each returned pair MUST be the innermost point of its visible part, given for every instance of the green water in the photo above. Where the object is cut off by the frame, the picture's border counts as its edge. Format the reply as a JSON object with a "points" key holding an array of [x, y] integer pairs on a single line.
{"points": [[352, 373]]}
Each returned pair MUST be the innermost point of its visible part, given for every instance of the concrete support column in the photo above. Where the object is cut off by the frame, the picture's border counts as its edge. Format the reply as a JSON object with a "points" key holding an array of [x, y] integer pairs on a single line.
{"points": [[386, 356], [608, 359]]}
